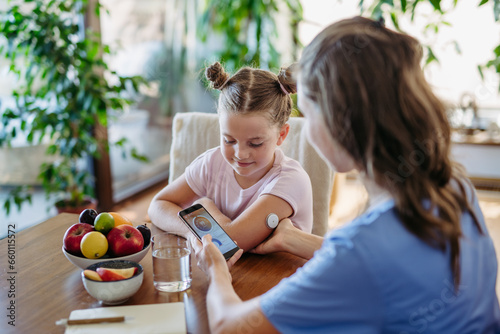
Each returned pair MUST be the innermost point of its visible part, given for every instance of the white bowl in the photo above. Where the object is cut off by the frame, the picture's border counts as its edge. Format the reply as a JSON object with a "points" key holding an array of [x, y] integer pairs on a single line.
{"points": [[114, 292], [83, 262]]}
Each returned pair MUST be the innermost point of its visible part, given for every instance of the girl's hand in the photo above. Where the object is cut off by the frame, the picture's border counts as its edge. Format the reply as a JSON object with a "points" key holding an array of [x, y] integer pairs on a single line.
{"points": [[210, 258], [276, 241]]}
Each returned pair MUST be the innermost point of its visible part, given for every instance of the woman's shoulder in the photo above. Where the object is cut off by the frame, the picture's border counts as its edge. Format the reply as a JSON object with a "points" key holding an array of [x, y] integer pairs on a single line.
{"points": [[368, 224]]}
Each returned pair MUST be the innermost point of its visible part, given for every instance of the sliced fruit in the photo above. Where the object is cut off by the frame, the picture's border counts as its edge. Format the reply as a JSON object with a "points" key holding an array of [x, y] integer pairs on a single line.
{"points": [[111, 274], [90, 274], [125, 272], [108, 275], [120, 219], [94, 245]]}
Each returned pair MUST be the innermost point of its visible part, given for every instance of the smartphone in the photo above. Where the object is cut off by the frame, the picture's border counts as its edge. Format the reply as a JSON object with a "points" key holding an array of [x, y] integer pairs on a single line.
{"points": [[200, 222]]}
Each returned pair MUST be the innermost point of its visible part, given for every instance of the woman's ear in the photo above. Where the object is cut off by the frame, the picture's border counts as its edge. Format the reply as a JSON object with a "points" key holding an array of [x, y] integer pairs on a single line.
{"points": [[283, 133]]}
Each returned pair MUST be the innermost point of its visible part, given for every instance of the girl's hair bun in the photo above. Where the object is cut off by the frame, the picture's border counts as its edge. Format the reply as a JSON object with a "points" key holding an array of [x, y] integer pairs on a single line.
{"points": [[217, 75], [286, 78]]}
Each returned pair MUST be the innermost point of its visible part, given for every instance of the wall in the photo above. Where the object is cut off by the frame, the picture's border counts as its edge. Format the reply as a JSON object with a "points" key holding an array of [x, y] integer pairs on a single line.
{"points": [[473, 28]]}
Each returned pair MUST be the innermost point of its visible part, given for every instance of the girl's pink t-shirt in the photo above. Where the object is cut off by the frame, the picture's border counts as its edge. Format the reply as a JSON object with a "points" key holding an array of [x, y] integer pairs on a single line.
{"points": [[209, 175]]}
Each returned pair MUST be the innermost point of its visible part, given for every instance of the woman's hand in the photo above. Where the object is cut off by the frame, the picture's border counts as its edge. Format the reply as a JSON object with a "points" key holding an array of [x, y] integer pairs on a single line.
{"points": [[276, 241], [210, 258]]}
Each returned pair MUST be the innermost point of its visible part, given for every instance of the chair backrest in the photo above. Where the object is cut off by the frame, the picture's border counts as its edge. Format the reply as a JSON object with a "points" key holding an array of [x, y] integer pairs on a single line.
{"points": [[195, 132]]}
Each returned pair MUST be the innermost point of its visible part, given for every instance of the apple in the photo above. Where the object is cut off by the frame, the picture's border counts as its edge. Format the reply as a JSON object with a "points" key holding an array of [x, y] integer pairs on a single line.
{"points": [[109, 274], [125, 272], [90, 274], [73, 237], [125, 240]]}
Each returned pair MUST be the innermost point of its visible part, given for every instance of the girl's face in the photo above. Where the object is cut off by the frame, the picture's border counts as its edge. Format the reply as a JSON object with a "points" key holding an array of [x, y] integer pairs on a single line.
{"points": [[248, 143], [319, 136]]}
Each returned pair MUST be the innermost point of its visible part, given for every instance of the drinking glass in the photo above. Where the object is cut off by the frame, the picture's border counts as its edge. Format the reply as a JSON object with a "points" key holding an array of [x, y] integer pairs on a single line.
{"points": [[171, 262]]}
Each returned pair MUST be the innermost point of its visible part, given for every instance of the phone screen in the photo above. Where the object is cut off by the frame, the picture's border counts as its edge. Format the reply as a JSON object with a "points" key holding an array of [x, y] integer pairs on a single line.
{"points": [[200, 222]]}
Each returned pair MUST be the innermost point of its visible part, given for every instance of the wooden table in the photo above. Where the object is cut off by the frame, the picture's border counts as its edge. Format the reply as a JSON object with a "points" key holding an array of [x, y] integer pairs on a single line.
{"points": [[40, 285]]}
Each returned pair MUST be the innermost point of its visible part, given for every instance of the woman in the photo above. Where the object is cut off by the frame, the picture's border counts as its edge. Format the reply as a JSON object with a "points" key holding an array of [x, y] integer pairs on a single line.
{"points": [[419, 260]]}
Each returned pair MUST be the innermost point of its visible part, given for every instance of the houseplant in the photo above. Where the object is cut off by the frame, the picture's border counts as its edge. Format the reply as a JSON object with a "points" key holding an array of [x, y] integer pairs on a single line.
{"points": [[249, 30], [64, 93], [395, 10], [168, 66]]}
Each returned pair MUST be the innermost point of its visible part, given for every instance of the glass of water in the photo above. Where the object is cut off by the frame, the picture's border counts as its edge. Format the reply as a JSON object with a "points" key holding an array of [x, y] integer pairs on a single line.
{"points": [[171, 262]]}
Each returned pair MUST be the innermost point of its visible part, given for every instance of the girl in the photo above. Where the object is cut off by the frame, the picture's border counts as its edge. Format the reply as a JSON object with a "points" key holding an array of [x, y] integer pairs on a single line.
{"points": [[247, 177], [420, 259]]}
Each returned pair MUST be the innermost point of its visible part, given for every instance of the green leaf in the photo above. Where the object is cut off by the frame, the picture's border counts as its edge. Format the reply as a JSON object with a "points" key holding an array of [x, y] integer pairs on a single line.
{"points": [[97, 9], [121, 142], [497, 51], [6, 206], [403, 6], [377, 11], [138, 156], [480, 70], [395, 21], [436, 4], [413, 8], [431, 57], [496, 9], [482, 2], [52, 149]]}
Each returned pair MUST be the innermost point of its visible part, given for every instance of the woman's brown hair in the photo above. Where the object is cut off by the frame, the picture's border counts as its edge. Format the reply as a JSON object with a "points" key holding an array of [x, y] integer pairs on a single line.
{"points": [[253, 90], [373, 96]]}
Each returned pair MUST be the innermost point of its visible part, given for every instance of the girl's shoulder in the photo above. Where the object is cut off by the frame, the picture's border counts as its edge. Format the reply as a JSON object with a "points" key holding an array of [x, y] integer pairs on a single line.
{"points": [[287, 164], [211, 155], [209, 160]]}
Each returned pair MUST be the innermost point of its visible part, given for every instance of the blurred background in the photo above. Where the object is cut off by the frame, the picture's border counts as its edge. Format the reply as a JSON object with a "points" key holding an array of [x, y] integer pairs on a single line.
{"points": [[168, 43]]}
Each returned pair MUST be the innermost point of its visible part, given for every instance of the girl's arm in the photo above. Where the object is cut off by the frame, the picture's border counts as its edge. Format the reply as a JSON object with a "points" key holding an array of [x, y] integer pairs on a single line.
{"points": [[226, 312], [288, 238], [168, 202], [249, 229]]}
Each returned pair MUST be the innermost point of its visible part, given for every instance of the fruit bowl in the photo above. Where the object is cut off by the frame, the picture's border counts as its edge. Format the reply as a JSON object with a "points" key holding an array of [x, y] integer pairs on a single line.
{"points": [[83, 262], [114, 292]]}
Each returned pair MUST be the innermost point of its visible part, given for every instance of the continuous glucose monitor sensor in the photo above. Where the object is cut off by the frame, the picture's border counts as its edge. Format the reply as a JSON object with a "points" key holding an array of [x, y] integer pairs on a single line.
{"points": [[272, 220]]}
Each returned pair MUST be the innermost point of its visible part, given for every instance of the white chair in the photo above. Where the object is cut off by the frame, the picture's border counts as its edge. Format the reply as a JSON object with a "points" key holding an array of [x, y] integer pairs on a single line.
{"points": [[195, 132]]}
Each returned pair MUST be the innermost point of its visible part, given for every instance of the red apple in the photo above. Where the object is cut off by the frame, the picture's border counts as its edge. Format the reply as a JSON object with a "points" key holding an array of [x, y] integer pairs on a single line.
{"points": [[125, 240], [109, 274], [73, 237]]}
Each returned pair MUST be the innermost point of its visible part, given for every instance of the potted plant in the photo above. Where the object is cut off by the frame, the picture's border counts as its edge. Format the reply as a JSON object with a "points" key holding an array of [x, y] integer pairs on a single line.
{"points": [[65, 92]]}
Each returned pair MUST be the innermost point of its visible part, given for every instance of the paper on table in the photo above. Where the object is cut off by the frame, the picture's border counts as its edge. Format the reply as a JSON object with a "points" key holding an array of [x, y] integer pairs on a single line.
{"points": [[145, 319]]}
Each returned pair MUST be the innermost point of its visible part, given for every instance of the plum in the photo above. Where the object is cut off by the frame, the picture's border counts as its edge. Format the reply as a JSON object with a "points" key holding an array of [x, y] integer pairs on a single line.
{"points": [[87, 216], [146, 234]]}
